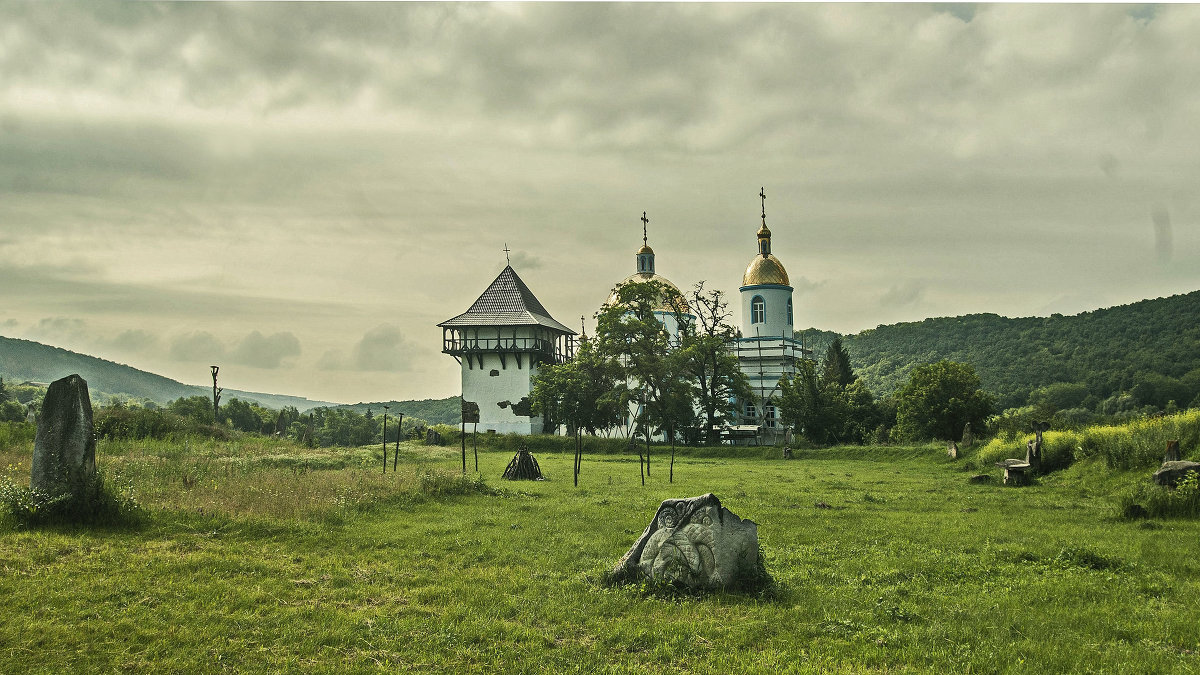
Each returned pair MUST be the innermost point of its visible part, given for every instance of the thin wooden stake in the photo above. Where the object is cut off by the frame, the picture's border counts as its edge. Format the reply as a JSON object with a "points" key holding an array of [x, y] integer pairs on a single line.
{"points": [[475, 444], [463, 437], [672, 477]]}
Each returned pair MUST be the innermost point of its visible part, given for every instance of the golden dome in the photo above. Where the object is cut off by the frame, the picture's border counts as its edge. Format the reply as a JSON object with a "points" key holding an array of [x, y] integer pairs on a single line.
{"points": [[765, 269], [672, 301], [764, 231], [645, 249]]}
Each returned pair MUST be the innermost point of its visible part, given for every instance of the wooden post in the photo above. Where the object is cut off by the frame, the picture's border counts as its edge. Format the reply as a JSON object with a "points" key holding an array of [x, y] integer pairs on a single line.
{"points": [[385, 409], [216, 396], [463, 437], [396, 452], [576, 466], [475, 443], [671, 478], [646, 428]]}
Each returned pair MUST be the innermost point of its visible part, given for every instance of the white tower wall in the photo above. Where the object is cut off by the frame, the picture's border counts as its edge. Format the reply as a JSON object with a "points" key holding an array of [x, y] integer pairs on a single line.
{"points": [[775, 322]]}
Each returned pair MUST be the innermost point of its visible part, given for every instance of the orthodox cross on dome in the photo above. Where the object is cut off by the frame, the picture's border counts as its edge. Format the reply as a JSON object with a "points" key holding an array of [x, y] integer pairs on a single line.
{"points": [[645, 221], [506, 251], [762, 192]]}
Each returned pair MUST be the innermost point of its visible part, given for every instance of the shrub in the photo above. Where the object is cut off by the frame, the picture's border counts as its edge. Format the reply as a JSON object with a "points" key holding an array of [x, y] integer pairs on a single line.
{"points": [[1156, 501], [99, 502], [1138, 444], [16, 434]]}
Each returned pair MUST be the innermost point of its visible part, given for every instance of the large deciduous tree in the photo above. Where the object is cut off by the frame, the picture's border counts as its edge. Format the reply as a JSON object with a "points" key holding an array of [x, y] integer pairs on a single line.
{"points": [[632, 332], [938, 401], [707, 359]]}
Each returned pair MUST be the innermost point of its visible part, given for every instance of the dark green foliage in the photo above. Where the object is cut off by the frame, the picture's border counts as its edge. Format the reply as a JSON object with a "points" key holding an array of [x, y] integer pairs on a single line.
{"points": [[835, 407], [196, 408], [631, 331], [581, 393], [122, 422], [434, 411], [1149, 348], [706, 359], [1155, 501], [99, 502], [16, 434], [835, 369], [939, 400]]}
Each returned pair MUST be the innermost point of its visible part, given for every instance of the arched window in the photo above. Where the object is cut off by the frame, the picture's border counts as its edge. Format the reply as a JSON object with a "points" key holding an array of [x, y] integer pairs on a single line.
{"points": [[789, 312], [758, 310]]}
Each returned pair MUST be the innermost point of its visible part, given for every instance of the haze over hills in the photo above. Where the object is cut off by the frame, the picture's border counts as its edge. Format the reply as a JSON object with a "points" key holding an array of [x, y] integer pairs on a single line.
{"points": [[22, 360], [1150, 348]]}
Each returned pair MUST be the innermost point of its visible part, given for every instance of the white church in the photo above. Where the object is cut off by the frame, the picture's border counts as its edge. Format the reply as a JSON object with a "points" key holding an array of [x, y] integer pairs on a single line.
{"points": [[502, 339]]}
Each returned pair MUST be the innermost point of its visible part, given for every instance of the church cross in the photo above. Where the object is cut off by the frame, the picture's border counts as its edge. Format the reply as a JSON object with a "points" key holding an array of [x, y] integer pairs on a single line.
{"points": [[762, 192], [645, 221], [506, 250]]}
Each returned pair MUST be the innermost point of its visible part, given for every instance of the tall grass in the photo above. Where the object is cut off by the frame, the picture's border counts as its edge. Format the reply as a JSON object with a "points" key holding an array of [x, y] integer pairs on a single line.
{"points": [[1139, 444]]}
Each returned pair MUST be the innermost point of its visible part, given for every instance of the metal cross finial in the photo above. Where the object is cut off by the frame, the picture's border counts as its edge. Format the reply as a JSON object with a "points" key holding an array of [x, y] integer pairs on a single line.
{"points": [[582, 327], [762, 192], [645, 220], [506, 250]]}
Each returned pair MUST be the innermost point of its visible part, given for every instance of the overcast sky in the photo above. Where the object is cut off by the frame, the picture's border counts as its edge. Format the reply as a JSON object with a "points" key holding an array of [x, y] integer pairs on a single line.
{"points": [[300, 193]]}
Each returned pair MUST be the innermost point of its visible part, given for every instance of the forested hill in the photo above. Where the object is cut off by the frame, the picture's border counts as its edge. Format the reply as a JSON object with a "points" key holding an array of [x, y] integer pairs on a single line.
{"points": [[22, 360], [432, 410], [1150, 348]]}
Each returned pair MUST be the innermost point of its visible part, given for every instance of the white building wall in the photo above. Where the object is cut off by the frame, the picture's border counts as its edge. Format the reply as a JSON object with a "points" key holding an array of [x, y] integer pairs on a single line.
{"points": [[776, 323], [495, 384]]}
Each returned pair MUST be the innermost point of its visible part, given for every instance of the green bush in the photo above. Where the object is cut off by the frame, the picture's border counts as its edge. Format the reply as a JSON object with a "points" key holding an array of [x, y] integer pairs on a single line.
{"points": [[1156, 501], [1138, 444], [16, 434], [118, 423], [99, 502]]}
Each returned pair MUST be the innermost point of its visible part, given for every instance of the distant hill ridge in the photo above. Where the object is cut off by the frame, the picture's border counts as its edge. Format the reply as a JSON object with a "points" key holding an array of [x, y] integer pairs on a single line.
{"points": [[22, 360], [1151, 347]]}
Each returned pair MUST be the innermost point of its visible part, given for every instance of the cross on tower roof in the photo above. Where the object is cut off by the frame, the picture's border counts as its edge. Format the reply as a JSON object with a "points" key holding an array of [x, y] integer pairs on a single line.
{"points": [[506, 258], [645, 220], [762, 192]]}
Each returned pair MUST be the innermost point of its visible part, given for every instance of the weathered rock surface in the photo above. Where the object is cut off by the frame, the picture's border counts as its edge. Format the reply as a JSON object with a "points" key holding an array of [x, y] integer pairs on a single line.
{"points": [[1170, 473], [695, 543], [64, 449]]}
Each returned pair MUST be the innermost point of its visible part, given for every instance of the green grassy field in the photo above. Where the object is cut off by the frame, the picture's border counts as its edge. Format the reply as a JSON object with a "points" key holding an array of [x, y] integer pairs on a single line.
{"points": [[260, 556]]}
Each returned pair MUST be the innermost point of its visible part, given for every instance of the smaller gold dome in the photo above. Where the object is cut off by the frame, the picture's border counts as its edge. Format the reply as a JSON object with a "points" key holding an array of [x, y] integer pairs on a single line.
{"points": [[672, 302], [764, 231], [765, 270], [645, 249]]}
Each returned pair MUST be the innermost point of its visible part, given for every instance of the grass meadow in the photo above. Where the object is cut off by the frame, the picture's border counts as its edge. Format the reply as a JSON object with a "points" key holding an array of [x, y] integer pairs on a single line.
{"points": [[260, 556]]}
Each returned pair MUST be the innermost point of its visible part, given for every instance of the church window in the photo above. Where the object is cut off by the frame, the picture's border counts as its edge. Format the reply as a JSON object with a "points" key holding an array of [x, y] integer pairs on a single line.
{"points": [[789, 322], [758, 310]]}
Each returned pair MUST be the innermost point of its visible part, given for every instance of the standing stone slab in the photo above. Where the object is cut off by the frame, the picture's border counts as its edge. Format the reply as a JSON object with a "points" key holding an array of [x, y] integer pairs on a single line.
{"points": [[695, 543], [64, 449]]}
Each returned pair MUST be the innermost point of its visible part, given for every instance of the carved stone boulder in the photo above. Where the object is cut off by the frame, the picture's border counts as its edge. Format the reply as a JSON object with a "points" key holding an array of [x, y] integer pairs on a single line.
{"points": [[64, 448], [1170, 473], [694, 543]]}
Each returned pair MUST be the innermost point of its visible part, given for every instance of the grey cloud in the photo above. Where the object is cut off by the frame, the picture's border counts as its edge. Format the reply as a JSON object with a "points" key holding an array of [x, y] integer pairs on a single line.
{"points": [[133, 341], [903, 294], [381, 348], [265, 351], [10, 324], [59, 329], [520, 260], [197, 346], [1163, 241]]}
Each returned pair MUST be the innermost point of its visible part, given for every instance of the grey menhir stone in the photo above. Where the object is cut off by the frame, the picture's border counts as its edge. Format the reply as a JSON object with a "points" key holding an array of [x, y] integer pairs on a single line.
{"points": [[64, 449], [1170, 473], [695, 543]]}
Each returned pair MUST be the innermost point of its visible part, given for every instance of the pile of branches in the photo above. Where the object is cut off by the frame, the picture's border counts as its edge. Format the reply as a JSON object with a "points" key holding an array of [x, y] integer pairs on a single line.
{"points": [[523, 467]]}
